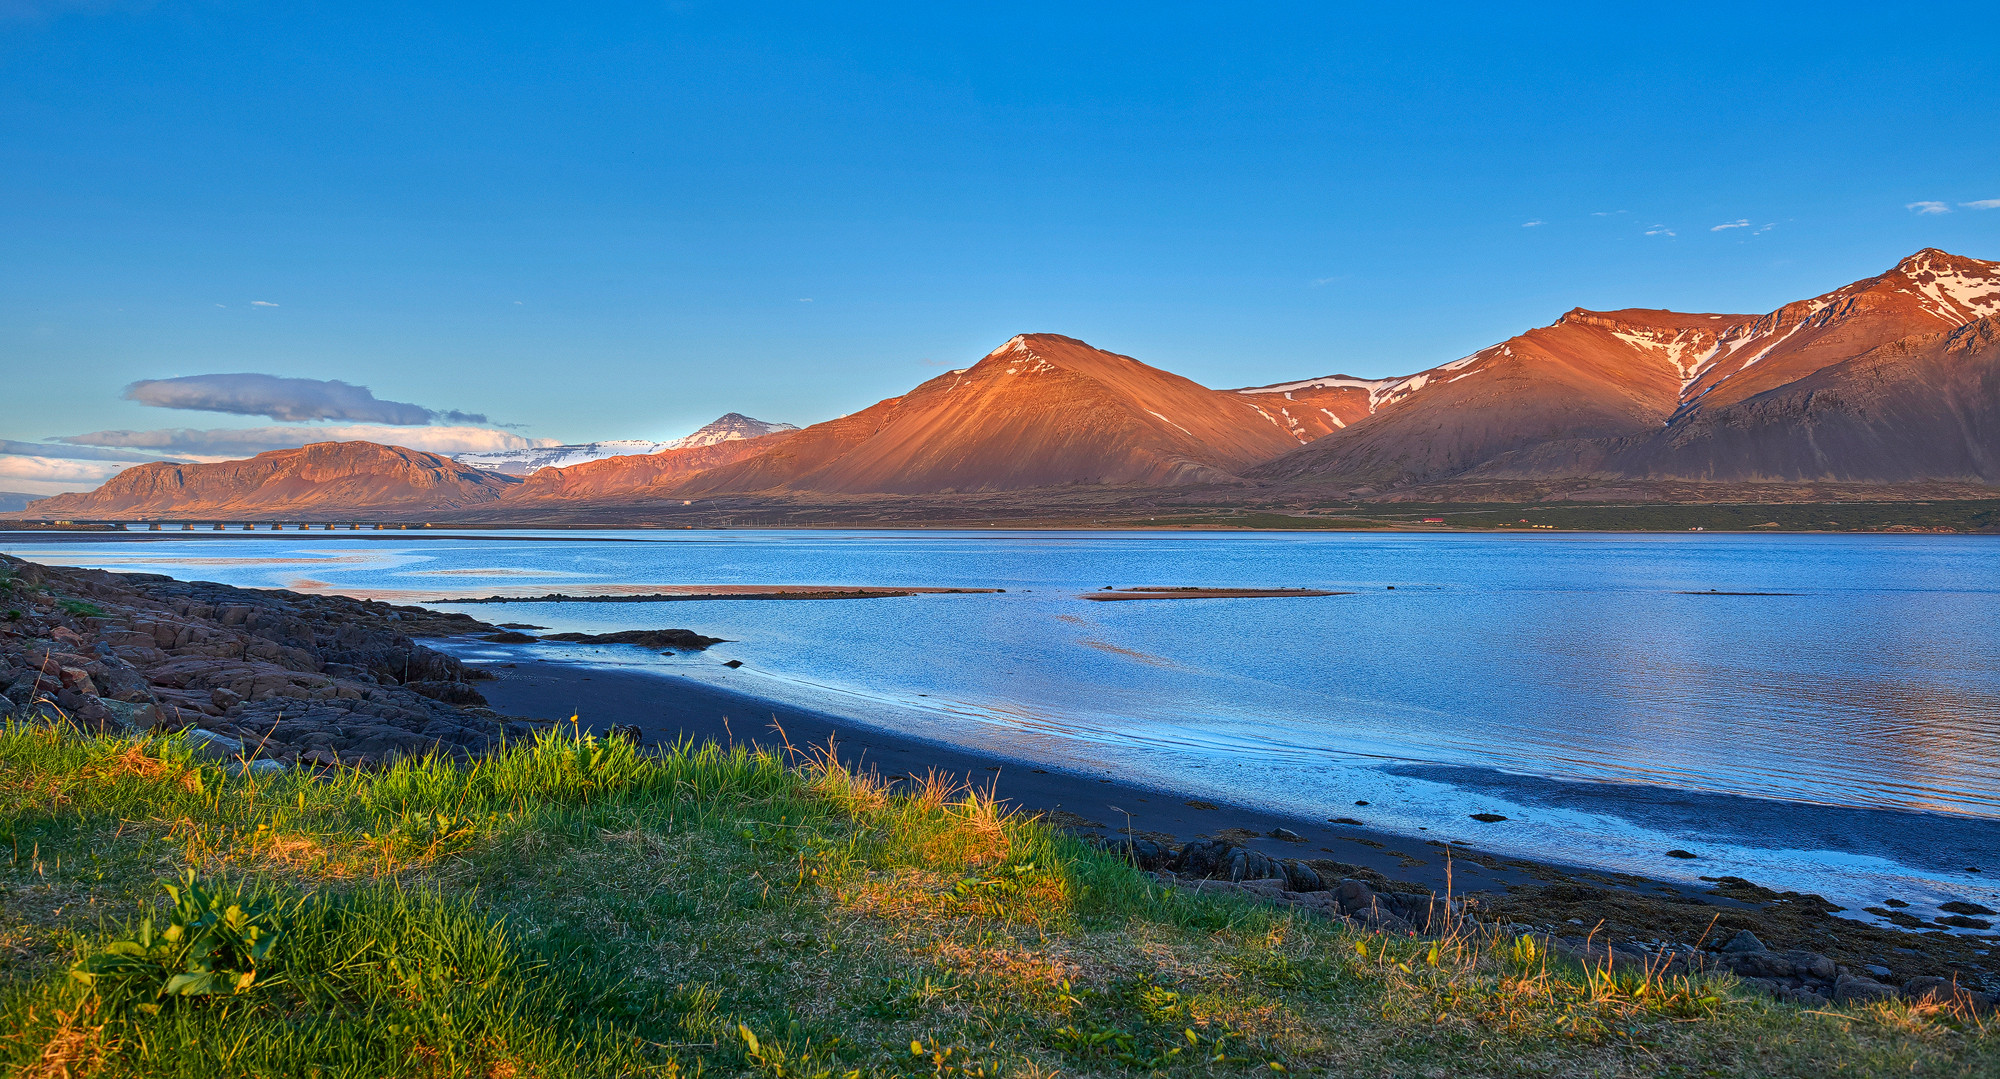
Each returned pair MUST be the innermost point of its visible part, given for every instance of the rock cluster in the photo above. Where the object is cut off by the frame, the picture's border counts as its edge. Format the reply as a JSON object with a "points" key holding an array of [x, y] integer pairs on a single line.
{"points": [[265, 675], [1811, 978], [1218, 866]]}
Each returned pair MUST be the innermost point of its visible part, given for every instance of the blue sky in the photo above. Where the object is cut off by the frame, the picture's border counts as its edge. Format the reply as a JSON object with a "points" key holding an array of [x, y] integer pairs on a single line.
{"points": [[619, 222]]}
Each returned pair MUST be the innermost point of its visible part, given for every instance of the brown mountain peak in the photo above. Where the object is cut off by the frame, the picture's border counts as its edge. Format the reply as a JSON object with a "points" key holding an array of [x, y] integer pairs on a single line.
{"points": [[1650, 319], [1042, 410], [1933, 260]]}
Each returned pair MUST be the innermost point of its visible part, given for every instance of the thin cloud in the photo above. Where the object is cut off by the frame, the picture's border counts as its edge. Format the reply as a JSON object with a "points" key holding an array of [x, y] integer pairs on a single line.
{"points": [[43, 476], [11, 448], [262, 303], [1659, 230], [1927, 207], [1533, 224], [225, 443], [1739, 223], [290, 399], [1982, 204]]}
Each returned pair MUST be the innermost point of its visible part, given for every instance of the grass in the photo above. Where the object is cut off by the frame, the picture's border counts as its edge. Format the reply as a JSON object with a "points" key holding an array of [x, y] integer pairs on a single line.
{"points": [[574, 907]]}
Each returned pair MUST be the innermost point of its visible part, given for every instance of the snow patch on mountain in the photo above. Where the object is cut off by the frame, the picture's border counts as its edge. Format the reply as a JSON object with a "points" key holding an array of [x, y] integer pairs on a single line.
{"points": [[1331, 382], [524, 462]]}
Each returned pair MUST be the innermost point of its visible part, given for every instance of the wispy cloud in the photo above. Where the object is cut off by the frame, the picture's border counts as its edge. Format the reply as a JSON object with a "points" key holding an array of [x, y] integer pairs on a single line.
{"points": [[291, 399], [1660, 230], [1739, 223], [1762, 229], [11, 448], [262, 303], [1928, 207], [1533, 224], [224, 443], [1982, 204], [54, 475]]}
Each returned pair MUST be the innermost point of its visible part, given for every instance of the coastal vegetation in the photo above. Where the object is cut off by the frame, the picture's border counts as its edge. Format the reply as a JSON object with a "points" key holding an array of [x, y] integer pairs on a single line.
{"points": [[569, 905]]}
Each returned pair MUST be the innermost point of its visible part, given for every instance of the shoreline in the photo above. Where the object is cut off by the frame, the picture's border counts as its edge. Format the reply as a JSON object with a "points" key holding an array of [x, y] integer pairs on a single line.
{"points": [[1303, 526], [1558, 898], [665, 708]]}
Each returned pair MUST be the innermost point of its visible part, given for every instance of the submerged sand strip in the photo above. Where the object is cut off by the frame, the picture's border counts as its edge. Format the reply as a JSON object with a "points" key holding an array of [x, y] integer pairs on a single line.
{"points": [[721, 592], [1156, 592]]}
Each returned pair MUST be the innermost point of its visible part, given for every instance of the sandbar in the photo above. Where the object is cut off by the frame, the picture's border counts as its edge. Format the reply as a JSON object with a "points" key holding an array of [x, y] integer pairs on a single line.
{"points": [[1154, 592]]}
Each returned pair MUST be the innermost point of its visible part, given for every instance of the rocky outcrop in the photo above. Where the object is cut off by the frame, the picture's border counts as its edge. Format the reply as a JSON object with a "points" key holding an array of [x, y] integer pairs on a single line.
{"points": [[686, 640], [287, 677]]}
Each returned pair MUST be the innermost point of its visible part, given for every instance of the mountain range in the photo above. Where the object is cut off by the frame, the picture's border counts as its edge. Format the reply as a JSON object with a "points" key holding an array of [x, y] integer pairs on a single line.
{"points": [[1886, 380], [1892, 380]]}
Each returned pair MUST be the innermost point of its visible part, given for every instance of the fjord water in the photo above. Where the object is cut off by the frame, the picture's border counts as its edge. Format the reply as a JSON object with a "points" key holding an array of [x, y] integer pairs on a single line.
{"points": [[1840, 736]]}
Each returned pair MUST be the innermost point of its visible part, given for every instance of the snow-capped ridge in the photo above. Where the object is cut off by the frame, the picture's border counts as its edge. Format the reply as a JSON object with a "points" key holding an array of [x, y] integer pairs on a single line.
{"points": [[1330, 382], [726, 428]]}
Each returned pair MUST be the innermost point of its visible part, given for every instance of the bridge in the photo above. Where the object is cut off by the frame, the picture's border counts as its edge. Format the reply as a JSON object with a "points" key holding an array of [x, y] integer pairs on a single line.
{"points": [[234, 525]]}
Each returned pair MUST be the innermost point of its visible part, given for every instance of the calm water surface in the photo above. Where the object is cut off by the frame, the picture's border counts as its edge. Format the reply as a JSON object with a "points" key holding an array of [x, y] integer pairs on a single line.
{"points": [[1843, 739]]}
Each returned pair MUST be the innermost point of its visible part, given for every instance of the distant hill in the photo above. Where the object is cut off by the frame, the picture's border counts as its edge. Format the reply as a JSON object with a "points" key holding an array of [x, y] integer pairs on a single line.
{"points": [[15, 501], [323, 481]]}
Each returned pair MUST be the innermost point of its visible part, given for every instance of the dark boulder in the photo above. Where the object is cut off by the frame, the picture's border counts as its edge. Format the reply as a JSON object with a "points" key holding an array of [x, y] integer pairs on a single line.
{"points": [[448, 692], [1744, 941]]}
